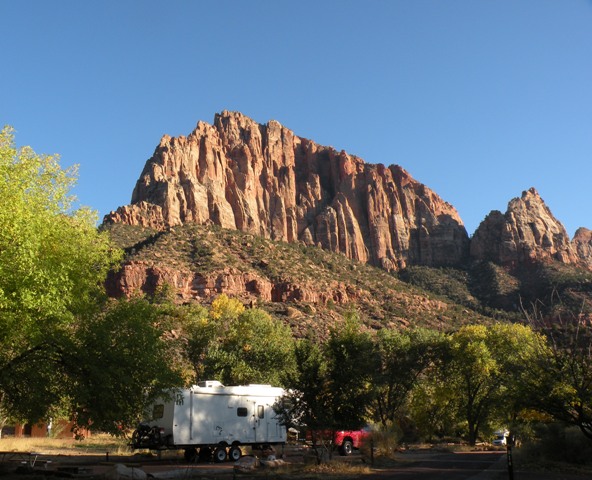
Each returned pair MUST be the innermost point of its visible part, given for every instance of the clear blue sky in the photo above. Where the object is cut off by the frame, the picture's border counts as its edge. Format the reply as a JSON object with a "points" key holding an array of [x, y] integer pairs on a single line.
{"points": [[478, 99]]}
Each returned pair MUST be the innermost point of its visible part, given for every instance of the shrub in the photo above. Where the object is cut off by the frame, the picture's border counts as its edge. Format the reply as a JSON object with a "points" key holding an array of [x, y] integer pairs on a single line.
{"points": [[554, 442], [384, 442]]}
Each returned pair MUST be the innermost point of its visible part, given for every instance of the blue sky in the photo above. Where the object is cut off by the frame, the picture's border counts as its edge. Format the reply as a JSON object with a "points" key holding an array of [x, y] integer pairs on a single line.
{"points": [[478, 99]]}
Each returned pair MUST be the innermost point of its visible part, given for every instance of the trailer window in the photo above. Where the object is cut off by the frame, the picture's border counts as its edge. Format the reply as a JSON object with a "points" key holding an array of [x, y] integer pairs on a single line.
{"points": [[157, 412], [260, 411], [242, 411]]}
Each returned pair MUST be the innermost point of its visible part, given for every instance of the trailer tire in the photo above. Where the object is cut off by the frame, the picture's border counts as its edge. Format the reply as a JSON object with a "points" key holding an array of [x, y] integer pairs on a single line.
{"points": [[220, 455], [235, 453], [190, 455], [136, 439]]}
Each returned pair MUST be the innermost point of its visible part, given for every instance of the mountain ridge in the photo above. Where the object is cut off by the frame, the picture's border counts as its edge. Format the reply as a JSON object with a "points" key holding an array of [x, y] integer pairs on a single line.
{"points": [[273, 187], [265, 180]]}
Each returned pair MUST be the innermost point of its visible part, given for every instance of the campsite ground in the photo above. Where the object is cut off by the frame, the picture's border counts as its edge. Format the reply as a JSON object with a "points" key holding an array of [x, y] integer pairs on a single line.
{"points": [[102, 457]]}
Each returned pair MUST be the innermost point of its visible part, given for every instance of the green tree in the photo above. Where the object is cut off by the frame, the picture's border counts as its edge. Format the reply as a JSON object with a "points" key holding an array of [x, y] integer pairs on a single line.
{"points": [[433, 407], [53, 263], [403, 357], [562, 369], [308, 387], [251, 347], [308, 400], [188, 329], [351, 363], [199, 333], [119, 362], [330, 387], [484, 362]]}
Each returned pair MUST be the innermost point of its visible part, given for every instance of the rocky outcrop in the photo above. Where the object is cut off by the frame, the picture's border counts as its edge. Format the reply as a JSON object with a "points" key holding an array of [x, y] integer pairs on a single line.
{"points": [[265, 180], [145, 278], [582, 244], [528, 232]]}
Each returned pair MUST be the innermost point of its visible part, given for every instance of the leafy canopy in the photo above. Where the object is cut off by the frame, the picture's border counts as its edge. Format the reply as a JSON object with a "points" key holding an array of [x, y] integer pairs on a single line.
{"points": [[119, 362], [52, 259], [483, 369], [53, 263], [403, 358], [250, 347]]}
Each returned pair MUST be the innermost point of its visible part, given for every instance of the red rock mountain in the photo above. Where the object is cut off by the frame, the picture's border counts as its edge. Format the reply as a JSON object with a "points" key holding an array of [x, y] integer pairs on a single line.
{"points": [[265, 180], [582, 243], [528, 232]]}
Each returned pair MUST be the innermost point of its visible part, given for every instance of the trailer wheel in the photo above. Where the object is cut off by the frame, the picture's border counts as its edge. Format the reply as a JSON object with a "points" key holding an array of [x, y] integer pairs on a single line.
{"points": [[136, 437], [235, 453], [220, 455], [190, 455]]}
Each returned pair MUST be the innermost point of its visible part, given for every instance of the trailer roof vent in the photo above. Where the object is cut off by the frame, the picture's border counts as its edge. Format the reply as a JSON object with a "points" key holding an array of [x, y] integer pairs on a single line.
{"points": [[209, 384]]}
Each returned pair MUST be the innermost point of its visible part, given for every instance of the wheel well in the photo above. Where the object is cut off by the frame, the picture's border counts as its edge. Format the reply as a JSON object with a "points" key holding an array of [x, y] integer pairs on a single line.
{"points": [[236, 443]]}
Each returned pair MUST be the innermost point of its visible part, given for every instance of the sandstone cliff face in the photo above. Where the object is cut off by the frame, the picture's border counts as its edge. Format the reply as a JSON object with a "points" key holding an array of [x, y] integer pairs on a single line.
{"points": [[140, 277], [582, 243], [265, 180], [527, 232]]}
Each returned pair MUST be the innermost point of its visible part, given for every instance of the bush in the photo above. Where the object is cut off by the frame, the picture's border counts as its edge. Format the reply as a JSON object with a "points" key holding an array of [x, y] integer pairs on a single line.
{"points": [[555, 442], [447, 282], [384, 442]]}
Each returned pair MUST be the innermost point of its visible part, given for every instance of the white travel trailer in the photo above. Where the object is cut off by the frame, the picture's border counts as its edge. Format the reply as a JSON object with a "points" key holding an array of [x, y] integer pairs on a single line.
{"points": [[211, 419]]}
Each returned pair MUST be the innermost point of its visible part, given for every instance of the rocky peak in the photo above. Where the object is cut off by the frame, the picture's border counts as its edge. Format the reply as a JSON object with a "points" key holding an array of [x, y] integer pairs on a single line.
{"points": [[527, 232], [582, 243], [265, 180]]}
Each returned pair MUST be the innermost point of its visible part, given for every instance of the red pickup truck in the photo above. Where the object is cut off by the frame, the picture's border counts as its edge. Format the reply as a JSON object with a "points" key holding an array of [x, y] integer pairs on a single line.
{"points": [[346, 441]]}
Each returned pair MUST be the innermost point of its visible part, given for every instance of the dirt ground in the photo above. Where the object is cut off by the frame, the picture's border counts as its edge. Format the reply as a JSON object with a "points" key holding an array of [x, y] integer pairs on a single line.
{"points": [[171, 465], [91, 466]]}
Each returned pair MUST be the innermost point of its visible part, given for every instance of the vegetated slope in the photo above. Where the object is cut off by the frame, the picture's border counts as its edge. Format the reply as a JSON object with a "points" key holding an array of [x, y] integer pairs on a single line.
{"points": [[307, 287], [549, 288]]}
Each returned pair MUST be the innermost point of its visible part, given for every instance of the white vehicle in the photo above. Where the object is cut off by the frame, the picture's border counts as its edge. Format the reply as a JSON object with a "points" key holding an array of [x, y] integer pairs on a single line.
{"points": [[501, 437], [211, 419]]}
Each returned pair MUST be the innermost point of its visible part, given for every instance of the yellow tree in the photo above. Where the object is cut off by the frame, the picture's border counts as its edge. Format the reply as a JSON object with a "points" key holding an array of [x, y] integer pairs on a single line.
{"points": [[250, 346], [483, 368]]}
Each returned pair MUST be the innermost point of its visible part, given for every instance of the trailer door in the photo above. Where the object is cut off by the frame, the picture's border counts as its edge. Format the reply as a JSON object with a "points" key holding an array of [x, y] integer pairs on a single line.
{"points": [[260, 423]]}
